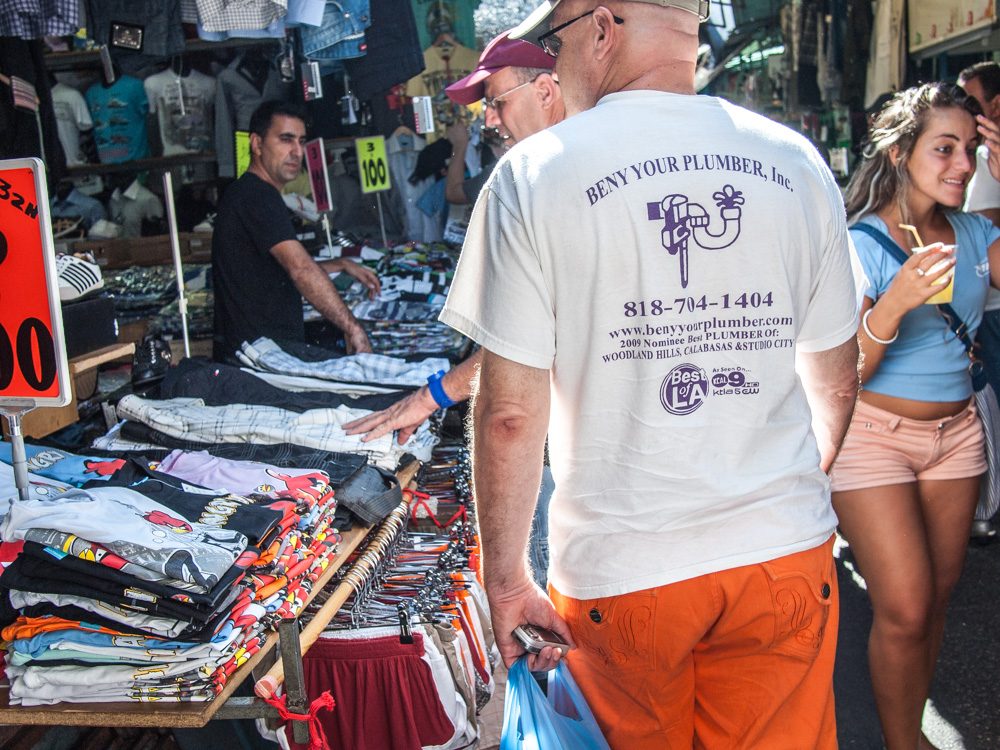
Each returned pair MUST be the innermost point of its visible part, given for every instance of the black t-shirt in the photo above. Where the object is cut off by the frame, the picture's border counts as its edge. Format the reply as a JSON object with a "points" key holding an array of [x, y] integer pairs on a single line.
{"points": [[254, 296]]}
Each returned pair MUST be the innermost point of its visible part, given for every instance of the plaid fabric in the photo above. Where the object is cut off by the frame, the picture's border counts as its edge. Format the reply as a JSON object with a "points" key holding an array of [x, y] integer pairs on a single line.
{"points": [[264, 354], [31, 19], [191, 419], [189, 11], [229, 15]]}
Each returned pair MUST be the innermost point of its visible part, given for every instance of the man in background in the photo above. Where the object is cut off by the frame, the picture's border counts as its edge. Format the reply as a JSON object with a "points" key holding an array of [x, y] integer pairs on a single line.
{"points": [[522, 98]]}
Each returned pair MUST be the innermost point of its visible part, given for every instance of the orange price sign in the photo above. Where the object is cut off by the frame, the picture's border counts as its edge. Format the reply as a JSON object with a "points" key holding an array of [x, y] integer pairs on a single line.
{"points": [[33, 369]]}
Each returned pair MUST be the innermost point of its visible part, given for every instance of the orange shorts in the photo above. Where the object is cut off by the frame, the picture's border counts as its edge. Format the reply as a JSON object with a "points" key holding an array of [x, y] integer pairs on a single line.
{"points": [[742, 658]]}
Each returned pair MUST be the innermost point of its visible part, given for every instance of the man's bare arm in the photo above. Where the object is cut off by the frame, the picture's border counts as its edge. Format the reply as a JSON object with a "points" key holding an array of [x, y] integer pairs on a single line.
{"points": [[830, 379], [407, 414], [315, 285], [510, 421]]}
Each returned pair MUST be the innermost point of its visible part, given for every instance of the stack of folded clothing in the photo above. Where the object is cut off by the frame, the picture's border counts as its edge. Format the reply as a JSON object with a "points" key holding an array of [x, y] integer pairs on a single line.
{"points": [[143, 585]]}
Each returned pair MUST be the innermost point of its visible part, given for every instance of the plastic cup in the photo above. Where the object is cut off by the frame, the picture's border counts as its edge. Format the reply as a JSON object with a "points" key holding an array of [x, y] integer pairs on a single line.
{"points": [[947, 281]]}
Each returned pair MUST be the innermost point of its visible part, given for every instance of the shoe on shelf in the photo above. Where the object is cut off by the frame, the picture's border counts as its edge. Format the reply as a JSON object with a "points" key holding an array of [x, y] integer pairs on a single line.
{"points": [[151, 361], [205, 225], [77, 277], [983, 532]]}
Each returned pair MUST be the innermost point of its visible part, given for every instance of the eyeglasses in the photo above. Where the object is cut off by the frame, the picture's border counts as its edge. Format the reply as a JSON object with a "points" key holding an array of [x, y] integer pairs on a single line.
{"points": [[496, 101], [551, 44]]}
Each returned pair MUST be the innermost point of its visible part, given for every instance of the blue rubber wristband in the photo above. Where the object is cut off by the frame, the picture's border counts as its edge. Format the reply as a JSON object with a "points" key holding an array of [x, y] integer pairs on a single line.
{"points": [[437, 390]]}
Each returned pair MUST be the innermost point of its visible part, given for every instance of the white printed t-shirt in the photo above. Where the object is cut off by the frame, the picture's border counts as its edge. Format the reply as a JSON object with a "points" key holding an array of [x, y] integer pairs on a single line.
{"points": [[984, 193], [679, 433], [184, 106], [72, 116]]}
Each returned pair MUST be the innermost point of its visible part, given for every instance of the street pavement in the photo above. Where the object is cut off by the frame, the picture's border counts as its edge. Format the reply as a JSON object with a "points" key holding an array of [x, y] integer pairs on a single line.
{"points": [[964, 711]]}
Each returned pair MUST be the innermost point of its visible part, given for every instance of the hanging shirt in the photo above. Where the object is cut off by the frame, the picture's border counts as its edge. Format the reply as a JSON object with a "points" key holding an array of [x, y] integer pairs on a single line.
{"points": [[184, 107], [72, 116], [219, 15], [119, 113], [237, 95], [32, 19], [443, 65]]}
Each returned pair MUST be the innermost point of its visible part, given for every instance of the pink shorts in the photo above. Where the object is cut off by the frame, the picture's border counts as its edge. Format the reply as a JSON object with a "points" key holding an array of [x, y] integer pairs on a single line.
{"points": [[883, 448]]}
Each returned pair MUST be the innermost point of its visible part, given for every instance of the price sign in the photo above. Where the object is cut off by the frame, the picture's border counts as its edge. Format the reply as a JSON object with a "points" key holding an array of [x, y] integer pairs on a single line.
{"points": [[319, 179], [373, 164], [241, 148], [33, 369]]}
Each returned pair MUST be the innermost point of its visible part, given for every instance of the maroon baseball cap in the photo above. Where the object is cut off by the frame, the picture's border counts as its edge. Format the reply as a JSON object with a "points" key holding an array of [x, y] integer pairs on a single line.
{"points": [[499, 54]]}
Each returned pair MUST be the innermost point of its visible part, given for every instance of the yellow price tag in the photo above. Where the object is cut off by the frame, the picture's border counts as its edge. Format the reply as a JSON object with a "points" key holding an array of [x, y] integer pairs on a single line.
{"points": [[242, 147], [372, 164]]}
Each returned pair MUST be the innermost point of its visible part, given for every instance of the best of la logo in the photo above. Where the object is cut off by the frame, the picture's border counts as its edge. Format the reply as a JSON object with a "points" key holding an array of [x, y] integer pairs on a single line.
{"points": [[684, 389]]}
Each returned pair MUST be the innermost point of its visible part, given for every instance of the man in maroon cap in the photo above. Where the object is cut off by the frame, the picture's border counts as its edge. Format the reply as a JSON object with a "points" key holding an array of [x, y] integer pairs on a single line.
{"points": [[522, 97]]}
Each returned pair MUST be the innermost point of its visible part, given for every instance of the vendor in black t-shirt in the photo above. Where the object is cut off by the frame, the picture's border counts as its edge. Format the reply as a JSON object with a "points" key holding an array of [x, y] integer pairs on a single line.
{"points": [[260, 271]]}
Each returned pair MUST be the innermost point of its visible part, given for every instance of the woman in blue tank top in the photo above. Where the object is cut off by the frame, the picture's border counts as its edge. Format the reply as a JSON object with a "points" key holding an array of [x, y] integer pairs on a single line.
{"points": [[906, 482]]}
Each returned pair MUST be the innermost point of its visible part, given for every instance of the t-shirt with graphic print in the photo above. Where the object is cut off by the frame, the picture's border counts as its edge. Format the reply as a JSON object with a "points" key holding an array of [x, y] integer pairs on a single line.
{"points": [[184, 108], [208, 507], [667, 284], [119, 113], [144, 531]]}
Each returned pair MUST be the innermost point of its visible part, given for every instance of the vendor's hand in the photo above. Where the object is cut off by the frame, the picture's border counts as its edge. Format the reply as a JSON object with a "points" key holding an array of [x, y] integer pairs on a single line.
{"points": [[458, 134], [914, 283], [357, 341], [406, 415], [525, 604], [363, 274], [990, 132]]}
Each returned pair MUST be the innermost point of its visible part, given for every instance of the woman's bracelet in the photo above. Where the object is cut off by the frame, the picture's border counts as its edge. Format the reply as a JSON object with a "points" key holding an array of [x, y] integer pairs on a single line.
{"points": [[872, 336]]}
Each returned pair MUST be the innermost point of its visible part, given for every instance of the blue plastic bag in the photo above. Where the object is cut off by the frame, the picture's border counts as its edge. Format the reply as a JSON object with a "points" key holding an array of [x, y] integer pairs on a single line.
{"points": [[559, 721]]}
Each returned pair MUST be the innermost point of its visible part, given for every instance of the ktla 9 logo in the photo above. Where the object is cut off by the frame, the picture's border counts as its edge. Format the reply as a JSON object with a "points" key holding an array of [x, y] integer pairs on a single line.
{"points": [[684, 389], [731, 380]]}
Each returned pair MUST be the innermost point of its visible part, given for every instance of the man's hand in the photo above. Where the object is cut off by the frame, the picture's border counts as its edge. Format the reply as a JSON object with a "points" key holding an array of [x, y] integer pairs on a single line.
{"points": [[458, 134], [357, 271], [990, 132], [406, 415], [525, 604], [357, 341]]}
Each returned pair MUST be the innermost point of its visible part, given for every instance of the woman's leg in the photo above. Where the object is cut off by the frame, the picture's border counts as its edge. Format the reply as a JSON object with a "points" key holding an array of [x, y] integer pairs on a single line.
{"points": [[885, 528], [948, 507]]}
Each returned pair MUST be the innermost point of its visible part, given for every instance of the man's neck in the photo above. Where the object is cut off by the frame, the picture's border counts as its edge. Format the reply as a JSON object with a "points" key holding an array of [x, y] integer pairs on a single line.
{"points": [[258, 172]]}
